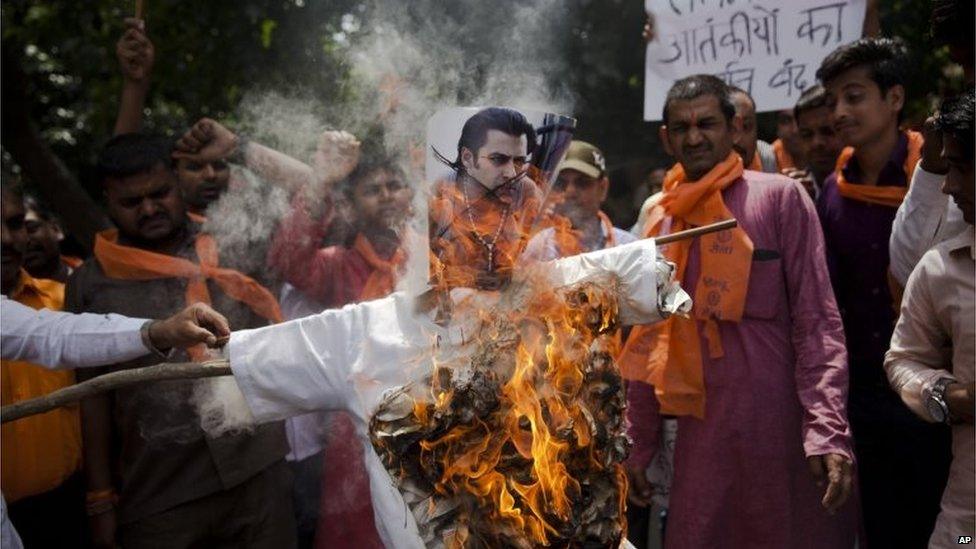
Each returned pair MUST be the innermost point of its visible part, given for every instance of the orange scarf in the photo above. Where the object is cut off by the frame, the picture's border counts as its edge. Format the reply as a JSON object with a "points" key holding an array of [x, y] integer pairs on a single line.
{"points": [[128, 263], [784, 159], [668, 355], [196, 218], [569, 241], [756, 163], [382, 280], [885, 195]]}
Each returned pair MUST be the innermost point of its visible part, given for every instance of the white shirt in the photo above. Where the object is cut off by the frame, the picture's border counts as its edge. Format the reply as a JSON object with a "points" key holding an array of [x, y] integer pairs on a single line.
{"points": [[542, 246], [925, 218], [346, 359], [306, 433], [56, 339], [939, 307]]}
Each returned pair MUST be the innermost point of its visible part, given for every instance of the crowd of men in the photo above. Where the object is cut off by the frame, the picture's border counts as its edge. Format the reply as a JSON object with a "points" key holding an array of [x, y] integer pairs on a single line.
{"points": [[820, 394]]}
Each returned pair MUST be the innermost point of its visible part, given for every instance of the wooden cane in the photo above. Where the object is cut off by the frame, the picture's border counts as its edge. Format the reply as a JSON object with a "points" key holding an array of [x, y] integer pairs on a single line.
{"points": [[697, 231], [114, 380]]}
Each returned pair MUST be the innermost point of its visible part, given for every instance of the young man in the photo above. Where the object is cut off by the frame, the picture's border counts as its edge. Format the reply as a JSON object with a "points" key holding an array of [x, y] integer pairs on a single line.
{"points": [[927, 217], [42, 454], [757, 155], [480, 221], [42, 253], [787, 147], [902, 462], [819, 141], [757, 376], [364, 267], [938, 307], [180, 486], [579, 191]]}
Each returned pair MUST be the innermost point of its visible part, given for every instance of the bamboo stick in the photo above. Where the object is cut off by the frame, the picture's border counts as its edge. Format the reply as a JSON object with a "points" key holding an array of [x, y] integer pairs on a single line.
{"points": [[114, 380], [213, 368], [697, 231]]}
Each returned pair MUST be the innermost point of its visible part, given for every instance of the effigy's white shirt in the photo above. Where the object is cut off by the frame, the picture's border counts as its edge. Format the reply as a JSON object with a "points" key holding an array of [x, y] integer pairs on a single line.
{"points": [[346, 359]]}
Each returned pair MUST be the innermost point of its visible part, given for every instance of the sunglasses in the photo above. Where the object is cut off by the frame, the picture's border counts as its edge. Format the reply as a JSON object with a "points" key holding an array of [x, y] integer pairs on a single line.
{"points": [[499, 160]]}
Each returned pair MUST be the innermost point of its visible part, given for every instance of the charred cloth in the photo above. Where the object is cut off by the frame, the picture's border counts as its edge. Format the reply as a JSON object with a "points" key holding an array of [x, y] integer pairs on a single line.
{"points": [[519, 443]]}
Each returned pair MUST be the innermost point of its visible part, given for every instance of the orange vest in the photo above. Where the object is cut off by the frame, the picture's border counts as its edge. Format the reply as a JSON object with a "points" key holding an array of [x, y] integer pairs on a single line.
{"points": [[41, 451]]}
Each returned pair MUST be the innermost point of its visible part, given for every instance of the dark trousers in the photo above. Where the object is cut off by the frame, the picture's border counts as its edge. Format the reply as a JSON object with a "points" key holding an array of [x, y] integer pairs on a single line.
{"points": [[256, 514], [53, 519], [902, 468], [307, 497]]}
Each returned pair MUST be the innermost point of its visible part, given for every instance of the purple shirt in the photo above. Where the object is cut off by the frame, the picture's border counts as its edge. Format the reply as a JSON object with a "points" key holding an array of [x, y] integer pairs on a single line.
{"points": [[857, 234], [778, 395]]}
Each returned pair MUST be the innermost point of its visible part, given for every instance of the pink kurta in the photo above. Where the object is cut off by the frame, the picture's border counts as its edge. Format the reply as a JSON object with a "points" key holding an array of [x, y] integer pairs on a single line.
{"points": [[778, 394]]}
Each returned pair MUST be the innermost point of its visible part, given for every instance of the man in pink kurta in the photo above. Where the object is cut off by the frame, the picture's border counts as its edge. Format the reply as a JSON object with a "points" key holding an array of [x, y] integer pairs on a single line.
{"points": [[769, 462]]}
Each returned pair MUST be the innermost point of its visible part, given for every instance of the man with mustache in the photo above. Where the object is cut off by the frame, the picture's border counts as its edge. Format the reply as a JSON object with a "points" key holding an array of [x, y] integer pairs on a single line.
{"points": [[757, 155], [580, 226], [757, 375], [42, 252], [180, 486], [818, 139], [902, 461], [480, 221], [42, 454]]}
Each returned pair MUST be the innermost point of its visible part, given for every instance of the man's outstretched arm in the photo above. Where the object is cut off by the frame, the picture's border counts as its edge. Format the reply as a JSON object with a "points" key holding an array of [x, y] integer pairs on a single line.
{"points": [[64, 340]]}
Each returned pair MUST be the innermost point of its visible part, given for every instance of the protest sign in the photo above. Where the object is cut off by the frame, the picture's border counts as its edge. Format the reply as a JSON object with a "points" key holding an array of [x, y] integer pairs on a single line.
{"points": [[770, 48]]}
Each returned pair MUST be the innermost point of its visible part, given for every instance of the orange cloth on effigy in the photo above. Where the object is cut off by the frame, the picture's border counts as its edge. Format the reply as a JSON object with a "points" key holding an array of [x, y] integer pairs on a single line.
{"points": [[668, 355], [784, 159], [382, 280], [38, 452], [884, 195], [568, 239], [126, 262], [756, 163]]}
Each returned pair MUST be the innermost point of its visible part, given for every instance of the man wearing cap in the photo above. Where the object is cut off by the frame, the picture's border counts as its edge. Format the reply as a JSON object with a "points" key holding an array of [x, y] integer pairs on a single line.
{"points": [[578, 223]]}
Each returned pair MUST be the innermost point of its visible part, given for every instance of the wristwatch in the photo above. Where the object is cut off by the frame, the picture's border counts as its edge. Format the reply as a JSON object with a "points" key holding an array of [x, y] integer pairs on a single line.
{"points": [[935, 402]]}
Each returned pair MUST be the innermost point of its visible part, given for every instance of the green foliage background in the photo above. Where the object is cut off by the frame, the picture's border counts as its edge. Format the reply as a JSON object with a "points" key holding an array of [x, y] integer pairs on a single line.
{"points": [[208, 54]]}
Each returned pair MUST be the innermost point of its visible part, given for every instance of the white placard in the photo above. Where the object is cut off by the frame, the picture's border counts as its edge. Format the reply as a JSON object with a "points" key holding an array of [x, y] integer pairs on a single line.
{"points": [[771, 48]]}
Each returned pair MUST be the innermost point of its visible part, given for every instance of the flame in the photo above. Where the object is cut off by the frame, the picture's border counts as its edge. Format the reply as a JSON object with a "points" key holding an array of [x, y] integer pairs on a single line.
{"points": [[524, 447]]}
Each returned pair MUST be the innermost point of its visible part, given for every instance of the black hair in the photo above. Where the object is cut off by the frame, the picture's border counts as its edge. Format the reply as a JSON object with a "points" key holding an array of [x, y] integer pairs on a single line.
{"points": [[885, 58], [813, 97], [956, 119], [697, 85], [129, 154], [475, 130], [40, 207], [736, 89], [951, 22]]}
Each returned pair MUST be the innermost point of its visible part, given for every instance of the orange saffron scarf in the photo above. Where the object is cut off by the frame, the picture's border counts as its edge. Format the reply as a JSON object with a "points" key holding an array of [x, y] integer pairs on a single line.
{"points": [[128, 263], [382, 280], [884, 195], [668, 355], [784, 159]]}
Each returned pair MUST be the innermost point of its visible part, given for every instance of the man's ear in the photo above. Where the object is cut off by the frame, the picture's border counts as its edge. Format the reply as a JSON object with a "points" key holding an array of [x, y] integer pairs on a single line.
{"points": [[467, 158], [604, 187], [895, 96], [662, 134]]}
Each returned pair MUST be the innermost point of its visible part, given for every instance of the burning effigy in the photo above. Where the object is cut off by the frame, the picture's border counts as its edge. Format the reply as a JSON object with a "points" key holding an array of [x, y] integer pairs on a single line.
{"points": [[520, 443]]}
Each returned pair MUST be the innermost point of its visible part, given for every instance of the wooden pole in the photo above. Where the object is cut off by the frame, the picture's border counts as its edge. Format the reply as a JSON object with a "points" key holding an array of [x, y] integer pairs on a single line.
{"points": [[114, 380], [213, 368], [697, 231], [139, 9]]}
